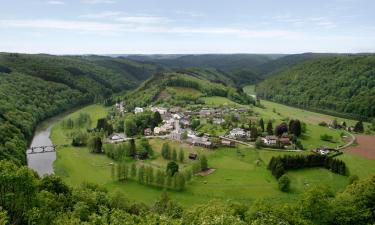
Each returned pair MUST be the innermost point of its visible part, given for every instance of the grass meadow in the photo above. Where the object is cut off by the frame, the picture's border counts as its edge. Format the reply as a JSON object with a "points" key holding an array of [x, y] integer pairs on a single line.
{"points": [[241, 173]]}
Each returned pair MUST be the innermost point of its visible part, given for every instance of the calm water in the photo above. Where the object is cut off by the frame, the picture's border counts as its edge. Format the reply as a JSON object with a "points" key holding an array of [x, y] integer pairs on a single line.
{"points": [[42, 163]]}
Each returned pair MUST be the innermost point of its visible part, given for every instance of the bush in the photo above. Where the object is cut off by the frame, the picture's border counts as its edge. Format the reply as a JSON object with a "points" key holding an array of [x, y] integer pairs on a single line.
{"points": [[284, 183], [323, 124], [258, 143], [326, 137], [353, 178], [172, 168], [204, 163]]}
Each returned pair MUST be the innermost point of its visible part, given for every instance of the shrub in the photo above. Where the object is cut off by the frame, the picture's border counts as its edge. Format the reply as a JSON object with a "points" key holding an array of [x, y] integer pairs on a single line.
{"points": [[326, 137], [284, 183]]}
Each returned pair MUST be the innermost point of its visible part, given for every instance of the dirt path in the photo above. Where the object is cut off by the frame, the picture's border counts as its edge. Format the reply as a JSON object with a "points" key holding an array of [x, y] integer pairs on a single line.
{"points": [[349, 143]]}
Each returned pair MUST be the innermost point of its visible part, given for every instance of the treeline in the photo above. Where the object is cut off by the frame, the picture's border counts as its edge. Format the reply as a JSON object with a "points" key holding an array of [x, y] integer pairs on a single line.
{"points": [[281, 164], [83, 120], [147, 175], [335, 84], [131, 149], [27, 199]]}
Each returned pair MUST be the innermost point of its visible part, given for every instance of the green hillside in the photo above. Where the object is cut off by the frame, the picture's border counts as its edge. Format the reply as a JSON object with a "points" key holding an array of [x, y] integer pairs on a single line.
{"points": [[342, 85], [233, 69], [224, 62], [35, 87], [157, 90]]}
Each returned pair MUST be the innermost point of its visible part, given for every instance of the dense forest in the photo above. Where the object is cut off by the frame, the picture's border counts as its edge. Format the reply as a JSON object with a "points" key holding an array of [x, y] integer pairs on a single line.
{"points": [[35, 87], [27, 199], [237, 69], [343, 85], [224, 62]]}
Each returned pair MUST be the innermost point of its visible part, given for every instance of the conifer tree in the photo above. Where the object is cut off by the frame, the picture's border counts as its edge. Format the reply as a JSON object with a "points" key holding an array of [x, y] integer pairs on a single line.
{"points": [[261, 124], [174, 155], [269, 128], [181, 156]]}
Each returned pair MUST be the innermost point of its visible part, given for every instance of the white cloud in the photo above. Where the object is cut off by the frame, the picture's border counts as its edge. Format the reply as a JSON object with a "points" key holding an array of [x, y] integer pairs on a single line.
{"points": [[142, 19], [144, 25], [60, 24], [55, 2], [99, 1], [101, 15]]}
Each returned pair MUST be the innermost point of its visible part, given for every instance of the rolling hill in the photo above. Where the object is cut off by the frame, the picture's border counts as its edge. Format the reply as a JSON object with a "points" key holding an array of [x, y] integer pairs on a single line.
{"points": [[234, 69], [35, 87], [181, 88], [343, 85]]}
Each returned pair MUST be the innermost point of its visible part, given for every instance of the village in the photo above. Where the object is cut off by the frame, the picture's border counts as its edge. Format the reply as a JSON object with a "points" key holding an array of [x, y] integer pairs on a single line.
{"points": [[180, 125]]}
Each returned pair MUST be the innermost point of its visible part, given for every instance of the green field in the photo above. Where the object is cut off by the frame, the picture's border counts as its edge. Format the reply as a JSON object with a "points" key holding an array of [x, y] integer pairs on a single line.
{"points": [[218, 101], [241, 173]]}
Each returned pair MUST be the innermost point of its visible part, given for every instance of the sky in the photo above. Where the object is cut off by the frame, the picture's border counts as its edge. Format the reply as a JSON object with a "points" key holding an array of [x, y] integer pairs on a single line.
{"points": [[186, 26]]}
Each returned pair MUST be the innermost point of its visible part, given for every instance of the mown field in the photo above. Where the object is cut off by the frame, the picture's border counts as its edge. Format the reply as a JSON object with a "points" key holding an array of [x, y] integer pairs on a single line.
{"points": [[240, 175]]}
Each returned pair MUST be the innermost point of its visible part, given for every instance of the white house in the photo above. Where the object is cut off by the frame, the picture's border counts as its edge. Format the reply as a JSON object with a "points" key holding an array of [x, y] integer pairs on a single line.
{"points": [[218, 121], [177, 116], [116, 137], [160, 110], [237, 133], [138, 110], [270, 140]]}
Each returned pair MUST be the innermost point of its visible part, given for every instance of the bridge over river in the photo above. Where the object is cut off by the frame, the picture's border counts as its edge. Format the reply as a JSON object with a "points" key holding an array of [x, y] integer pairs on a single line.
{"points": [[41, 149]]}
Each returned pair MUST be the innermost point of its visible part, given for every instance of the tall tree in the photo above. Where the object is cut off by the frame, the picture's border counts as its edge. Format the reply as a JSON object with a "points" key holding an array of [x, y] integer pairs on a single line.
{"points": [[165, 151], [269, 128], [261, 124], [132, 148], [203, 162], [181, 156], [359, 127], [281, 129], [296, 128], [179, 181], [172, 168], [174, 155], [130, 127], [156, 119], [95, 144], [141, 174], [133, 170]]}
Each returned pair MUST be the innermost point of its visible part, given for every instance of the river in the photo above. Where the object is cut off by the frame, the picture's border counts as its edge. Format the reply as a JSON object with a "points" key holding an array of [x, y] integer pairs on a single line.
{"points": [[42, 163]]}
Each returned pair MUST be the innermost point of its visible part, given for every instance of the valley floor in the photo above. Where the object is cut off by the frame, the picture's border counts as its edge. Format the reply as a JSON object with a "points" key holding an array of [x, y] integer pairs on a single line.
{"points": [[241, 173]]}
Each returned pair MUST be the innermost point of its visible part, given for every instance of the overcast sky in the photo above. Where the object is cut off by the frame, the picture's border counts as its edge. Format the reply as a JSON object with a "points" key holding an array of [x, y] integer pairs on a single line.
{"points": [[186, 26]]}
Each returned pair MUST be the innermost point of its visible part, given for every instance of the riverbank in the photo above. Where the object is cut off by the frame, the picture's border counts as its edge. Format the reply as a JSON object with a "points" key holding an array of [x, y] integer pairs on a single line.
{"points": [[42, 163]]}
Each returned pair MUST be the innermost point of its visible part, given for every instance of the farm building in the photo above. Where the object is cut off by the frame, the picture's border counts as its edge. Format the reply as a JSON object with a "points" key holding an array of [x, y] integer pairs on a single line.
{"points": [[138, 110], [270, 140]]}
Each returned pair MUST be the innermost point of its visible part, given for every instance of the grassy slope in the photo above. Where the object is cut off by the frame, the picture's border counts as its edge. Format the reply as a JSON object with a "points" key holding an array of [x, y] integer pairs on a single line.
{"points": [[241, 176], [217, 101]]}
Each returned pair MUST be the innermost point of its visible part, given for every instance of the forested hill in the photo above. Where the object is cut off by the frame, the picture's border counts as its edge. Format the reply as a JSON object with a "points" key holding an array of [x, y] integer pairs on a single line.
{"points": [[181, 88], [35, 87], [224, 62], [237, 69], [336, 84]]}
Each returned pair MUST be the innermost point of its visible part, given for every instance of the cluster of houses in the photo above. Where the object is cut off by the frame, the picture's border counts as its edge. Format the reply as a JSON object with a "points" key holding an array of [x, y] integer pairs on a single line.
{"points": [[176, 126]]}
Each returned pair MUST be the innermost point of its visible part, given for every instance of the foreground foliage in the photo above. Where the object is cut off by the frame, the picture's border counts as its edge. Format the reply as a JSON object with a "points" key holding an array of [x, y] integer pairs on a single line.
{"points": [[27, 199]]}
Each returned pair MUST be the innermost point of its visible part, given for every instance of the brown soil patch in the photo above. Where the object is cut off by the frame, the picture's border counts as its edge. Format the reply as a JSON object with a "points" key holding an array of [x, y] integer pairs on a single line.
{"points": [[365, 147], [206, 173]]}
